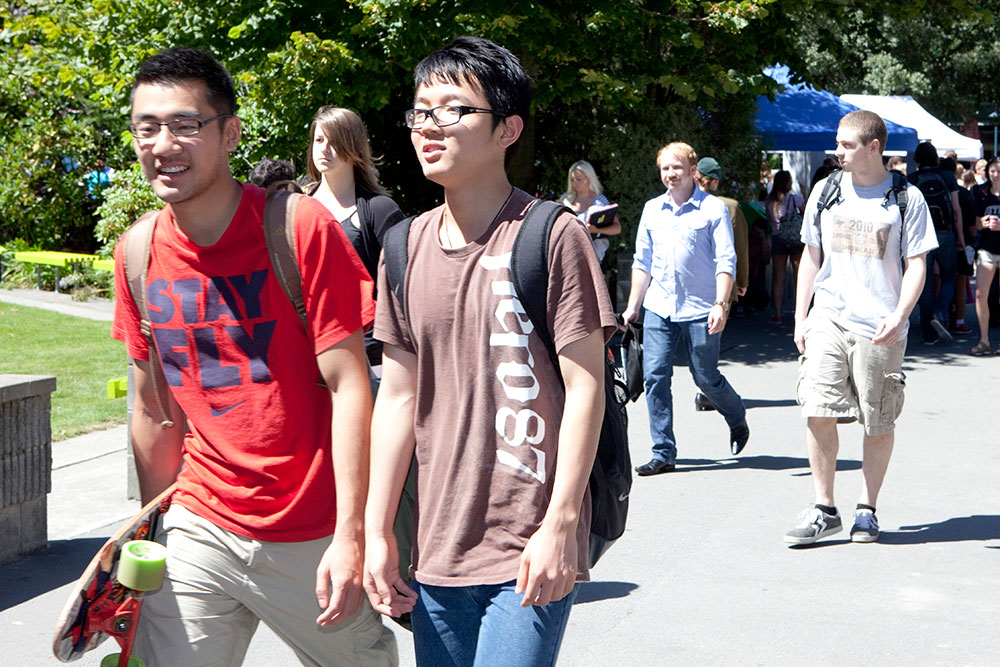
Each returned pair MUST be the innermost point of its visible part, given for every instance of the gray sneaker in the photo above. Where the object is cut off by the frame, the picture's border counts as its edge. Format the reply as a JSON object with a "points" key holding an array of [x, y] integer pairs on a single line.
{"points": [[865, 527], [815, 523], [941, 330]]}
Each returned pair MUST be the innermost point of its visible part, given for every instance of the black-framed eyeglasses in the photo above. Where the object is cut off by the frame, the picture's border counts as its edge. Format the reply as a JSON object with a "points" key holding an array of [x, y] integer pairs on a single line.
{"points": [[443, 116], [182, 127]]}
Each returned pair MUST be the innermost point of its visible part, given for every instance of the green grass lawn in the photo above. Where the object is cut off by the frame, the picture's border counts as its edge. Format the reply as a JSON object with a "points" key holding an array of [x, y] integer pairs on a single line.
{"points": [[78, 352]]}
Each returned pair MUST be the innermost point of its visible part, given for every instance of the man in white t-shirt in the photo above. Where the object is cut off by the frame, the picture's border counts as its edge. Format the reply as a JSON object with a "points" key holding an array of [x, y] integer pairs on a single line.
{"points": [[865, 264]]}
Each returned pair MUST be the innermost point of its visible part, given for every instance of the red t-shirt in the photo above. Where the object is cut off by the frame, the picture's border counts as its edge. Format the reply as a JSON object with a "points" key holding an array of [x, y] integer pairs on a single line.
{"points": [[257, 458]]}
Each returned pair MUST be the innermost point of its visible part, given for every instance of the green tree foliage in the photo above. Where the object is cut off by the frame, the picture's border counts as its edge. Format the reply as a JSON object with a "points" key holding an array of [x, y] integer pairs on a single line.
{"points": [[615, 80], [943, 53]]}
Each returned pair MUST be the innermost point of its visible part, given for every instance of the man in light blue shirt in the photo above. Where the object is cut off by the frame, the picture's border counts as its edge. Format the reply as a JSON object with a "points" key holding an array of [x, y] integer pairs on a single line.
{"points": [[682, 273]]}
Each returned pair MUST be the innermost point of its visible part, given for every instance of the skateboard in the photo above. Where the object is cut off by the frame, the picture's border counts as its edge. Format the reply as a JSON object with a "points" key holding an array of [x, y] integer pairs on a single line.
{"points": [[107, 599]]}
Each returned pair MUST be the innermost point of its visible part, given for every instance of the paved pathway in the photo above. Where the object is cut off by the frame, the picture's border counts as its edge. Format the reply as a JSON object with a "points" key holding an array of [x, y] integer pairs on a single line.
{"points": [[702, 575]]}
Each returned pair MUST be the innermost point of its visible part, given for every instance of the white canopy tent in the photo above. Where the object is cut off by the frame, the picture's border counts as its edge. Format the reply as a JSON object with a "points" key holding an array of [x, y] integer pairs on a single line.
{"points": [[904, 110]]}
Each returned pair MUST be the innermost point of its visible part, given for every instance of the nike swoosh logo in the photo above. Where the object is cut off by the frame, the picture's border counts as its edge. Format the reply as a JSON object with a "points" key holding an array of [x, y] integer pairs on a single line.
{"points": [[623, 497], [219, 413]]}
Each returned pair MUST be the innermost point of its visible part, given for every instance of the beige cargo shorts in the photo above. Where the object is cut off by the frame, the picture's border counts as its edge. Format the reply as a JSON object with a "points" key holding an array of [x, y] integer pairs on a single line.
{"points": [[845, 375]]}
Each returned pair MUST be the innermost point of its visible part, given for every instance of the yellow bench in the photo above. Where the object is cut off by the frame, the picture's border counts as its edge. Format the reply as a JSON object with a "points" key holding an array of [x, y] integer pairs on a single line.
{"points": [[58, 260]]}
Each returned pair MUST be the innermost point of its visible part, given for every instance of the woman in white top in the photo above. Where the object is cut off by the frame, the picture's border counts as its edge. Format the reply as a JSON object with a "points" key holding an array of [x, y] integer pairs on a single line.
{"points": [[584, 195], [779, 203]]}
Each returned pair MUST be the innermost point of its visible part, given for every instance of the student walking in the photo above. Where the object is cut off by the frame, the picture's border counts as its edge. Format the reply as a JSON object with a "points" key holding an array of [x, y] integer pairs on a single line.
{"points": [[853, 337], [504, 436], [266, 523]]}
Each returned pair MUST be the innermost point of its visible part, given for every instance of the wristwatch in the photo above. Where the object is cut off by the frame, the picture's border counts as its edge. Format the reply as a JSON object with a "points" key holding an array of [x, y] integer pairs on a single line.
{"points": [[724, 304]]}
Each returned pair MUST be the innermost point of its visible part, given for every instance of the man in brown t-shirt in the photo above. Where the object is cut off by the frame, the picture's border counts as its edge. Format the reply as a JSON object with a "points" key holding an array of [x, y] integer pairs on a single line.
{"points": [[503, 451]]}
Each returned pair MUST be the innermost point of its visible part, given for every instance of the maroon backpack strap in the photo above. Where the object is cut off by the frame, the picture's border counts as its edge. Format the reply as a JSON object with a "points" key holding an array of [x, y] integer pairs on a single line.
{"points": [[138, 242]]}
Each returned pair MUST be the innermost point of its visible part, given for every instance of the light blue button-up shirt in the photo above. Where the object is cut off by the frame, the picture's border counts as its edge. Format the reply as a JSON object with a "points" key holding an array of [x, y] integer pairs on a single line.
{"points": [[683, 248]]}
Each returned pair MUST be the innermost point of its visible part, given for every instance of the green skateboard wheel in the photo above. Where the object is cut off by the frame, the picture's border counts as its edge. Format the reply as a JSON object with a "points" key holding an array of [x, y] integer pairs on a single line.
{"points": [[142, 564], [112, 661]]}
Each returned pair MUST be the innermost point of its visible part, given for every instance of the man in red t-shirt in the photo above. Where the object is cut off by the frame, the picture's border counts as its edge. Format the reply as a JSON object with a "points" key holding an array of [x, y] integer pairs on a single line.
{"points": [[267, 518]]}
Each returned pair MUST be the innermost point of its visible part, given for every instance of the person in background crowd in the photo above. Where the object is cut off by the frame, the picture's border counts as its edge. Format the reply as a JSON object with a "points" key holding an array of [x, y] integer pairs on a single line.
{"points": [[707, 174], [584, 194], [967, 212], [980, 171], [988, 254], [896, 163], [780, 204], [269, 170], [940, 192], [340, 160]]}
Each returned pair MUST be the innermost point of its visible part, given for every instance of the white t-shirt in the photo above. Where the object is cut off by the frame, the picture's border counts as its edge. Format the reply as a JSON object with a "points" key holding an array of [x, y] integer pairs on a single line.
{"points": [[859, 282]]}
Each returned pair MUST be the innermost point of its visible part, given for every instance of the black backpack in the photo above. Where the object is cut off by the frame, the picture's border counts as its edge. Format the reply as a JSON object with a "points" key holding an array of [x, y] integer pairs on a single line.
{"points": [[931, 183], [611, 476]]}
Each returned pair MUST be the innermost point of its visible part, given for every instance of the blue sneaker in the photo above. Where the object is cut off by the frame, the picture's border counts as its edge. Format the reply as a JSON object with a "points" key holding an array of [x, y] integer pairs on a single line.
{"points": [[865, 527]]}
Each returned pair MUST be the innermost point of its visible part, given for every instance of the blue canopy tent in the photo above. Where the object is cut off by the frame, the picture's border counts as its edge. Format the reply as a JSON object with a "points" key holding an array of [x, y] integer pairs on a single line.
{"points": [[804, 119]]}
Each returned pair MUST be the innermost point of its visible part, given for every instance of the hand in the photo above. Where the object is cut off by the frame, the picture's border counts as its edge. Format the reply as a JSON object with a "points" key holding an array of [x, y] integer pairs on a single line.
{"points": [[716, 319], [741, 291], [548, 566], [338, 580], [889, 331], [800, 335], [630, 315], [387, 592]]}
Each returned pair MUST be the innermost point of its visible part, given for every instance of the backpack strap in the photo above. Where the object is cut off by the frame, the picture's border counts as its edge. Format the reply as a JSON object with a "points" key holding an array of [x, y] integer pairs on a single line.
{"points": [[279, 233], [136, 247], [529, 266], [395, 251], [831, 192], [899, 184]]}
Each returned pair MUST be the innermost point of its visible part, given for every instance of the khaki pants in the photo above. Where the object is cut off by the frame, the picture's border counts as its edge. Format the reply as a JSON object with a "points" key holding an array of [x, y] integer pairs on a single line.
{"points": [[219, 585]]}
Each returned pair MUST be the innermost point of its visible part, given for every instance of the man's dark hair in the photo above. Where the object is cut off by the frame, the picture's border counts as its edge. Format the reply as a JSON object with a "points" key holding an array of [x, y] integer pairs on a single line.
{"points": [[948, 164], [270, 170], [177, 65], [926, 155], [484, 65]]}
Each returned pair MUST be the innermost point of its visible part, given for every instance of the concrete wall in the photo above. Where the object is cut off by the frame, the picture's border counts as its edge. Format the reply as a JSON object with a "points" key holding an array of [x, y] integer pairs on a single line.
{"points": [[25, 462]]}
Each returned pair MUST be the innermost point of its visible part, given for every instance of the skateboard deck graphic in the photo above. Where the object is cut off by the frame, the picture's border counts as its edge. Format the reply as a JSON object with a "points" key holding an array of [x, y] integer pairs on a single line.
{"points": [[100, 605]]}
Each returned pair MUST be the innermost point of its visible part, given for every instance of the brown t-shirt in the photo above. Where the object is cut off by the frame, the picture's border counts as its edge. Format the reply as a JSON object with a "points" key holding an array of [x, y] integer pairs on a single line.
{"points": [[489, 401]]}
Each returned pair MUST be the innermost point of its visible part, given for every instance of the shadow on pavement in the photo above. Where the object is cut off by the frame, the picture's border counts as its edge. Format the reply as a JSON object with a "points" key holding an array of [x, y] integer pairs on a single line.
{"points": [[758, 463], [977, 528], [43, 571], [595, 591]]}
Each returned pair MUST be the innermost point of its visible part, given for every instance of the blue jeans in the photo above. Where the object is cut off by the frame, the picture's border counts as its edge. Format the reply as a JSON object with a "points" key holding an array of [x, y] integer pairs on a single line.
{"points": [[659, 342], [946, 256], [485, 626]]}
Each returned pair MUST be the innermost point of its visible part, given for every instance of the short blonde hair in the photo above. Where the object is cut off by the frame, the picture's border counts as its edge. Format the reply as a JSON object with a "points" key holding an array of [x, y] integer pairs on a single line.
{"points": [[680, 149]]}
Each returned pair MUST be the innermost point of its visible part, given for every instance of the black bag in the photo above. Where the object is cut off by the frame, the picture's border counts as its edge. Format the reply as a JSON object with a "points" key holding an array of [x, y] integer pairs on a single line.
{"points": [[930, 182], [611, 476], [631, 356], [790, 223]]}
